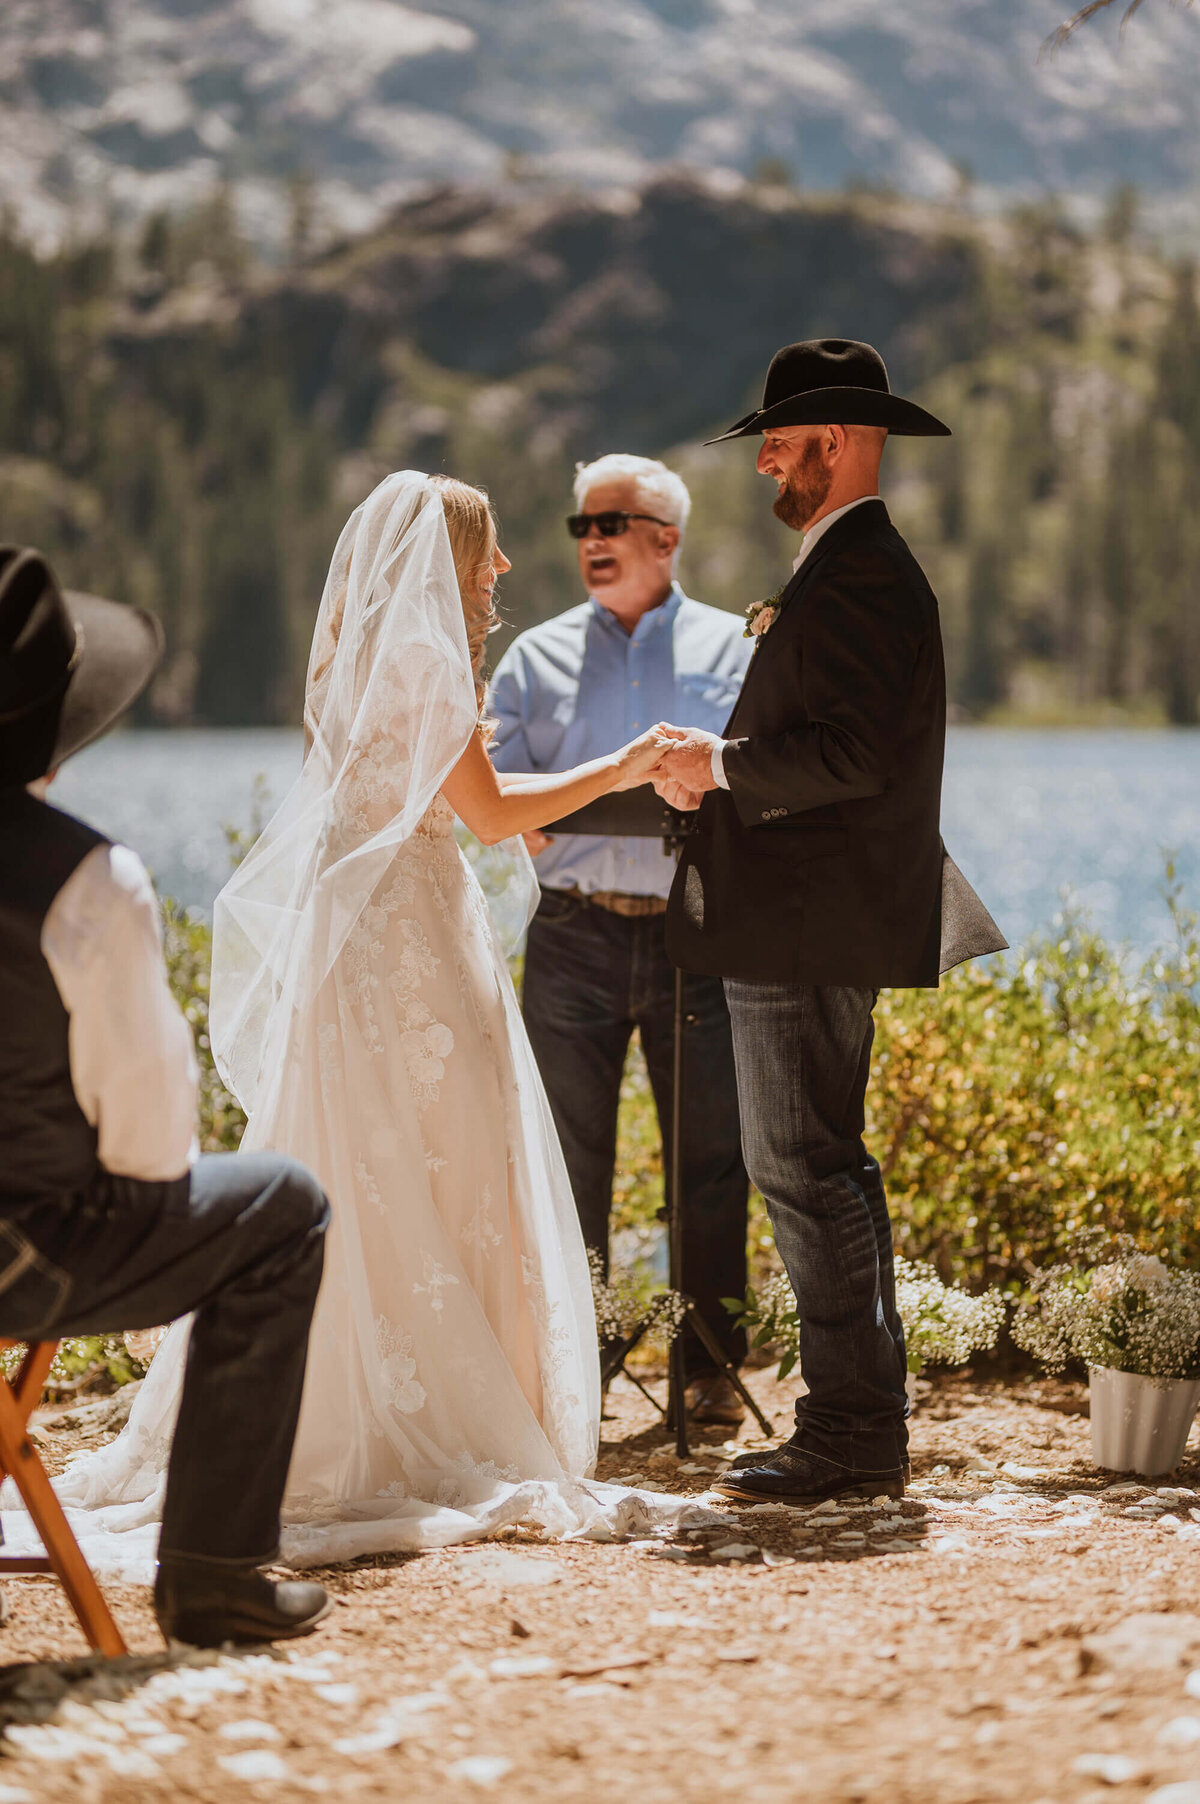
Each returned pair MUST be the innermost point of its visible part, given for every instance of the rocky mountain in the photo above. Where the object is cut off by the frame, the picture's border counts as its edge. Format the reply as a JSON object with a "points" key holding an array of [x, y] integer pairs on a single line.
{"points": [[113, 109]]}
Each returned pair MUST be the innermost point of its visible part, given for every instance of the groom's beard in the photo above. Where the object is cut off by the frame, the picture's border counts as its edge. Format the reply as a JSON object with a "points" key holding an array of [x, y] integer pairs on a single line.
{"points": [[806, 490]]}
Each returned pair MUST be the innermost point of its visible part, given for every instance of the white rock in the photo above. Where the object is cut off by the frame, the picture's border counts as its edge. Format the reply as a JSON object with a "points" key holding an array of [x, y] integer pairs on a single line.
{"points": [[255, 1766], [248, 1728], [1110, 1769], [1180, 1732]]}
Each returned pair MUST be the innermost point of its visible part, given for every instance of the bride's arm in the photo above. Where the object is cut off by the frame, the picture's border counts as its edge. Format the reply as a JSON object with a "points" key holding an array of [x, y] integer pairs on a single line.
{"points": [[496, 807]]}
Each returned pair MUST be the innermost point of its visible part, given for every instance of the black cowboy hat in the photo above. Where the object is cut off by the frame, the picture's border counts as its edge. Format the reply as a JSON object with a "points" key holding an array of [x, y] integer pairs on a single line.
{"points": [[70, 665], [833, 382]]}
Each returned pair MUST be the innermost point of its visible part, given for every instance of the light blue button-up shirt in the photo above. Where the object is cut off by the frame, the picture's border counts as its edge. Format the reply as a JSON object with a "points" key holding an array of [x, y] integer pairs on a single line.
{"points": [[579, 686]]}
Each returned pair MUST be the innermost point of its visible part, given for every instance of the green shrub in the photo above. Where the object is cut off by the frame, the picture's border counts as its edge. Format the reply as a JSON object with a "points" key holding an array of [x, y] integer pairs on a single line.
{"points": [[1041, 1096], [1029, 1099]]}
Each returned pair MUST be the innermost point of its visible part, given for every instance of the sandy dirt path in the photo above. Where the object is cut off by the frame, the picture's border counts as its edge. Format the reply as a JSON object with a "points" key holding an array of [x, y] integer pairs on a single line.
{"points": [[1021, 1628]]}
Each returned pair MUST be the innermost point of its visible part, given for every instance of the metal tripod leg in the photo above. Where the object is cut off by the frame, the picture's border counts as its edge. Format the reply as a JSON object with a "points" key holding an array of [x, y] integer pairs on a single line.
{"points": [[675, 1409]]}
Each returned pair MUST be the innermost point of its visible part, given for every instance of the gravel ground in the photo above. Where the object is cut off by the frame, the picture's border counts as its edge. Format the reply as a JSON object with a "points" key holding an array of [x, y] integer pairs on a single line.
{"points": [[1022, 1627]]}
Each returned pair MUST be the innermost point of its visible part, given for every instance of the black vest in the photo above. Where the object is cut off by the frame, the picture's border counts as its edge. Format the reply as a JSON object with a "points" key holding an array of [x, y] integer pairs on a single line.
{"points": [[47, 1148]]}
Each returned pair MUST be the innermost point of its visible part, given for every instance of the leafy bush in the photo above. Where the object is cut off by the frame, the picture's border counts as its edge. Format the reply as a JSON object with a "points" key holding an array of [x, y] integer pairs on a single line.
{"points": [[1029, 1099], [1036, 1097], [188, 946]]}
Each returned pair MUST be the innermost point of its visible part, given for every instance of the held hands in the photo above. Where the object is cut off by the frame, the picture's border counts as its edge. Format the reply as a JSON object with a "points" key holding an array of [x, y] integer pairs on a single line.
{"points": [[637, 762], [684, 772], [677, 760]]}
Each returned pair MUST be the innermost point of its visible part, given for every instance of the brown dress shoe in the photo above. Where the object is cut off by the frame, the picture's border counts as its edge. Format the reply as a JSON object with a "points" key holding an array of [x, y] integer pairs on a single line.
{"points": [[714, 1399]]}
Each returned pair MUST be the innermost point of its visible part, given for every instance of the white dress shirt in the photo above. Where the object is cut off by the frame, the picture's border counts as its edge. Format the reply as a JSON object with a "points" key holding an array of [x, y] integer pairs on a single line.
{"points": [[811, 538], [133, 1065]]}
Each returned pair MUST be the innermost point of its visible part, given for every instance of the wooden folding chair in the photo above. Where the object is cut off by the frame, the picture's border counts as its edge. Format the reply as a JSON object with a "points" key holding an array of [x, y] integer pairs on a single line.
{"points": [[19, 1397]]}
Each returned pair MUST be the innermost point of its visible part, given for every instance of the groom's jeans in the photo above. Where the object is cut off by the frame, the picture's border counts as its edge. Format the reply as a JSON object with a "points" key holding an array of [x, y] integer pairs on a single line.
{"points": [[240, 1241], [591, 977], [803, 1056]]}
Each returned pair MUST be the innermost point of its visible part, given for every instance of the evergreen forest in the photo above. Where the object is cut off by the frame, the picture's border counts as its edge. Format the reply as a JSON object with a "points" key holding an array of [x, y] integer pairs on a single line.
{"points": [[185, 425]]}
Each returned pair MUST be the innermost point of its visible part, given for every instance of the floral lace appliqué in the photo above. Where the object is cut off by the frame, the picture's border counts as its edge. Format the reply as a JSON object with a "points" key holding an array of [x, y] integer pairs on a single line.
{"points": [[398, 1368], [436, 1279]]}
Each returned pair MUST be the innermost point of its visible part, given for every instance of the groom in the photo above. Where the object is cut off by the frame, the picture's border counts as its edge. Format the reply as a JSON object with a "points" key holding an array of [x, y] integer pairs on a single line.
{"points": [[814, 879]]}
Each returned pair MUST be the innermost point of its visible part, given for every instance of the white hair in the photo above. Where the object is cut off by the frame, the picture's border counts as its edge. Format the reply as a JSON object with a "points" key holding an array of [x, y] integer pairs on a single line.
{"points": [[659, 490]]}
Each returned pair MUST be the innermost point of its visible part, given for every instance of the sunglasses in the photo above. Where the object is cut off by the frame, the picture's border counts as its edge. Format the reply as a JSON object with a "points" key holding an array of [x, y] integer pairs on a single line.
{"points": [[609, 525]]}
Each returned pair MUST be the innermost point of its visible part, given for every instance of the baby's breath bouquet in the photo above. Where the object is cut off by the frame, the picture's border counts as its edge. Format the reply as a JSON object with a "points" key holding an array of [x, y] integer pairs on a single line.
{"points": [[943, 1325], [621, 1303], [1127, 1312]]}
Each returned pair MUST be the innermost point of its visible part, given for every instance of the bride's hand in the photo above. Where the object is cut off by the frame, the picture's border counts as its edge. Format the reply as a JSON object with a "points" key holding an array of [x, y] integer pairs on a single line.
{"points": [[636, 762]]}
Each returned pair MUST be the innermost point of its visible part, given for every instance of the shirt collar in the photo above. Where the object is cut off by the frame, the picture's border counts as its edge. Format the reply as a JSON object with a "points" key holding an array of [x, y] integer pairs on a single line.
{"points": [[814, 532], [649, 623]]}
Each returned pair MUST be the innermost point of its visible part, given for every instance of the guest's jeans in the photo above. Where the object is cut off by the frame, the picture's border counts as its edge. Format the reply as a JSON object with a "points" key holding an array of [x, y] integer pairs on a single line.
{"points": [[591, 977], [803, 1056], [241, 1242]]}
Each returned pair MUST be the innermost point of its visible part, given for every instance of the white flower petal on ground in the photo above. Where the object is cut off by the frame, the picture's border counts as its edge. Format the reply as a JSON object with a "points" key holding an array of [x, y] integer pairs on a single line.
{"points": [[522, 1666], [340, 1695], [1180, 1732], [249, 1729], [1184, 1791], [163, 1746], [256, 1766], [734, 1550], [1110, 1769], [484, 1770]]}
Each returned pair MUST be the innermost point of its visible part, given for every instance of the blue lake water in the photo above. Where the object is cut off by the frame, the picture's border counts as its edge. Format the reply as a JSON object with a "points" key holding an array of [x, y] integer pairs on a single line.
{"points": [[1025, 814]]}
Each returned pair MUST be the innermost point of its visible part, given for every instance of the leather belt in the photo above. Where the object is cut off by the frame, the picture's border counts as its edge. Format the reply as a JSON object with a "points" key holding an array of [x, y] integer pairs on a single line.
{"points": [[616, 902]]}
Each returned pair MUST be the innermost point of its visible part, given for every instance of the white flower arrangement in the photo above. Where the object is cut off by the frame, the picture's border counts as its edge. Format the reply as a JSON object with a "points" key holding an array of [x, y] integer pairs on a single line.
{"points": [[943, 1325], [1128, 1312], [621, 1304]]}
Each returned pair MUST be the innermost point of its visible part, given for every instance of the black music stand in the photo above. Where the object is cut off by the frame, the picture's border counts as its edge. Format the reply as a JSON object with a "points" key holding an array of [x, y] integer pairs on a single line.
{"points": [[640, 814]]}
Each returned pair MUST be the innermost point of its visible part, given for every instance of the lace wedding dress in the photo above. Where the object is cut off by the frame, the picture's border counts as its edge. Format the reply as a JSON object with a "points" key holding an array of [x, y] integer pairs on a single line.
{"points": [[363, 1012]]}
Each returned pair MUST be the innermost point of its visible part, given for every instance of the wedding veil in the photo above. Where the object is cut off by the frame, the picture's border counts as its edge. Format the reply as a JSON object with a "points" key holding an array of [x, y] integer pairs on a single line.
{"points": [[390, 706]]}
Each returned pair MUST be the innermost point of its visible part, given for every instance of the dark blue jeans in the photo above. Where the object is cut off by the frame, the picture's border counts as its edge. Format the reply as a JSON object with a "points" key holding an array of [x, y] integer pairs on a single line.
{"points": [[803, 1056], [591, 977], [241, 1241]]}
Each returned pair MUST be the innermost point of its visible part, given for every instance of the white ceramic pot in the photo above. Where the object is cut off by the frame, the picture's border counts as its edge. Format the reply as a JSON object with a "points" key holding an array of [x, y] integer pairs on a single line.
{"points": [[1140, 1424]]}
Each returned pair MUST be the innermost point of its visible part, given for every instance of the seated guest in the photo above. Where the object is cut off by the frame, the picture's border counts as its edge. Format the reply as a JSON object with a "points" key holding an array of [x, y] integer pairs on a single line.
{"points": [[108, 1220], [596, 966]]}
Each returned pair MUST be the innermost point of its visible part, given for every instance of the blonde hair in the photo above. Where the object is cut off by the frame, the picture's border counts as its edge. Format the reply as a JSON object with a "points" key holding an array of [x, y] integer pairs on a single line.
{"points": [[472, 528]]}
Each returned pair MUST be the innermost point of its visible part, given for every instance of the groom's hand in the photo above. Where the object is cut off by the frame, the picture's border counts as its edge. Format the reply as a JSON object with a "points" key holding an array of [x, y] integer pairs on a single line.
{"points": [[688, 764], [675, 795]]}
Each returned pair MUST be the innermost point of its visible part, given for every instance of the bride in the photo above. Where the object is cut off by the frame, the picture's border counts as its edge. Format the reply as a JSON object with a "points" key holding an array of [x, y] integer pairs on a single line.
{"points": [[363, 1014]]}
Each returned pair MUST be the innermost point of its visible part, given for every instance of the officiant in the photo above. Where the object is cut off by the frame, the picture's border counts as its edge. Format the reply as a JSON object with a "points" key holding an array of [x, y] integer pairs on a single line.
{"points": [[636, 650]]}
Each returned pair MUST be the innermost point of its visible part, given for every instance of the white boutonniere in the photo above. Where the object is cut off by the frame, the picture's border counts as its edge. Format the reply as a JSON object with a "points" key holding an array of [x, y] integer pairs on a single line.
{"points": [[761, 615]]}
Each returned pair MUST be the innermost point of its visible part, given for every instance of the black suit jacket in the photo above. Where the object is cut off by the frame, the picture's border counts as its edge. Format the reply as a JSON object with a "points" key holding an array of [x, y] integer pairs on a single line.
{"points": [[823, 861]]}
